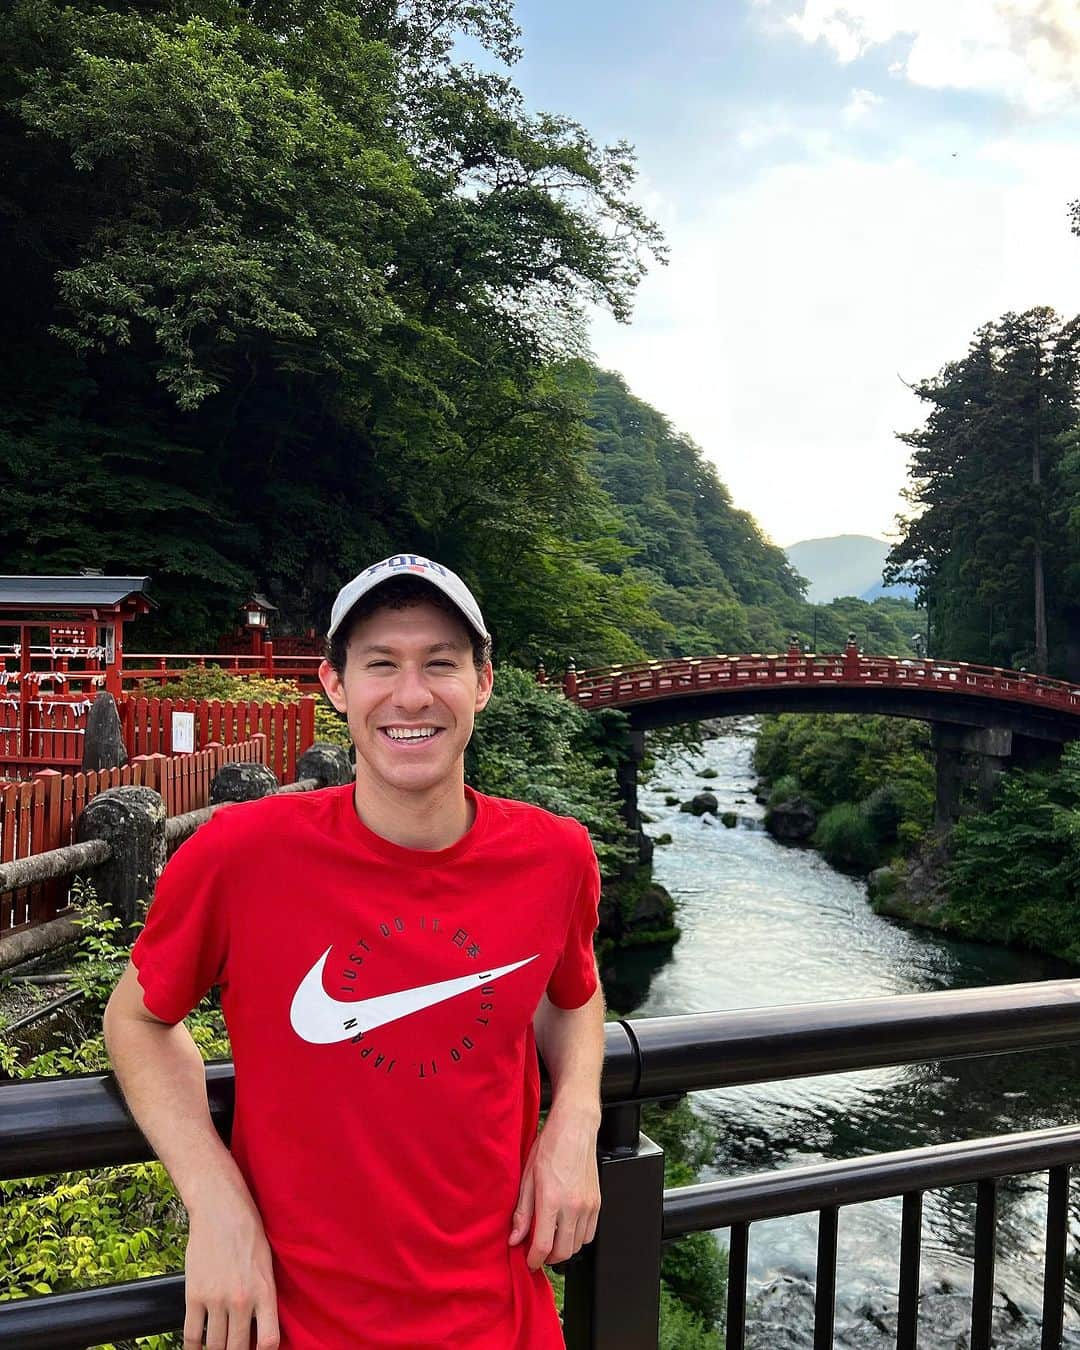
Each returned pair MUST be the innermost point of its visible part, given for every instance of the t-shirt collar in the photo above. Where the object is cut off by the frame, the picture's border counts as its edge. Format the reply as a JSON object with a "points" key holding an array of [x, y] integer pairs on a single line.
{"points": [[354, 828]]}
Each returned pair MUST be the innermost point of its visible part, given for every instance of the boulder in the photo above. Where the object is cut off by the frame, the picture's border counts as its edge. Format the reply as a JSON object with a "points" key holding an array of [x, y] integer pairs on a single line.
{"points": [[700, 803], [328, 764], [653, 909], [242, 783], [791, 822], [729, 820]]}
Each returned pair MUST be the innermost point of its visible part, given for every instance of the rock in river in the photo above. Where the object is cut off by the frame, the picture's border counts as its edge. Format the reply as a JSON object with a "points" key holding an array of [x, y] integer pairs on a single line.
{"points": [[700, 803], [791, 822]]}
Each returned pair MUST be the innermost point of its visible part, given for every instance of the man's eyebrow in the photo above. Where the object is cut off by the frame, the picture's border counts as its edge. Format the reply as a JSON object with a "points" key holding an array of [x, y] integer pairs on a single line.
{"points": [[375, 649]]}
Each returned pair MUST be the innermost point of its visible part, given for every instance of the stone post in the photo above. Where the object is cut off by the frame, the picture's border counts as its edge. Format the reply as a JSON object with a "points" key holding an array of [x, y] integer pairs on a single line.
{"points": [[328, 764], [103, 740], [242, 783], [131, 820]]}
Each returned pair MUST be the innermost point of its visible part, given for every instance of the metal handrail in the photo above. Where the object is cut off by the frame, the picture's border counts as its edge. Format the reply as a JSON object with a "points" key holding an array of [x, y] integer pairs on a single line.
{"points": [[80, 1121], [851, 1181]]}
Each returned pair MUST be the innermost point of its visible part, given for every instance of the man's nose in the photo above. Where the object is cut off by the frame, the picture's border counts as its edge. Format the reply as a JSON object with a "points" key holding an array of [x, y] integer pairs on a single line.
{"points": [[411, 691]]}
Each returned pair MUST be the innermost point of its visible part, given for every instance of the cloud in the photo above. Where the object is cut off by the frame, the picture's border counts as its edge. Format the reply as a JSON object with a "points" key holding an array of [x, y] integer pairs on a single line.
{"points": [[796, 305], [1027, 51], [860, 105]]}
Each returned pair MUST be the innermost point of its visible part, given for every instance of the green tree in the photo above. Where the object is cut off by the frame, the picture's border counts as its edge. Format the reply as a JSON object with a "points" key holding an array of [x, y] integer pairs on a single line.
{"points": [[287, 285], [986, 546]]}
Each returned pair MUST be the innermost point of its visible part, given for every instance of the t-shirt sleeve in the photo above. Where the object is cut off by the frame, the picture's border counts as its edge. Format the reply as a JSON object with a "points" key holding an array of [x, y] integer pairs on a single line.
{"points": [[574, 980], [182, 950]]}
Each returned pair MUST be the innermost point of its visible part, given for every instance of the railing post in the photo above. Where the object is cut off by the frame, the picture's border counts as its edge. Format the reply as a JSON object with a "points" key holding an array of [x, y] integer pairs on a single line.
{"points": [[612, 1297]]}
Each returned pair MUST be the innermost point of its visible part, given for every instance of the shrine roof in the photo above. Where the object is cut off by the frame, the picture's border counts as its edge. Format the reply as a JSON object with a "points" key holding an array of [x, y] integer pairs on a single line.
{"points": [[73, 592]]}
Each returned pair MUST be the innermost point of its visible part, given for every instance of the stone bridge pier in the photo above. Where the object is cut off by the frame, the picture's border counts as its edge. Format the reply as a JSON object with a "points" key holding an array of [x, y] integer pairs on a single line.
{"points": [[970, 761], [626, 773]]}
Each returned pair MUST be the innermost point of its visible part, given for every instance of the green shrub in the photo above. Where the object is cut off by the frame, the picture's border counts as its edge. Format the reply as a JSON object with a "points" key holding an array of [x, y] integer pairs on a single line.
{"points": [[81, 1229], [785, 789], [846, 838], [883, 813], [1015, 870]]}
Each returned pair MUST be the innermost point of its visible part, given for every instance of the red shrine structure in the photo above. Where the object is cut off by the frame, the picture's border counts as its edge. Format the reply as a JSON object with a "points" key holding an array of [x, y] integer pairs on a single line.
{"points": [[61, 640]]}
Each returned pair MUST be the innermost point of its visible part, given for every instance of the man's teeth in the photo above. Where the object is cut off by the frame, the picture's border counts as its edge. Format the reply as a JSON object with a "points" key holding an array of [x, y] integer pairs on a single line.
{"points": [[417, 734]]}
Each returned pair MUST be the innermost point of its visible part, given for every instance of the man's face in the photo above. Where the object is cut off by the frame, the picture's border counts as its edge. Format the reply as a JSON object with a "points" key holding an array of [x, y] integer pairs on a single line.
{"points": [[409, 692]]}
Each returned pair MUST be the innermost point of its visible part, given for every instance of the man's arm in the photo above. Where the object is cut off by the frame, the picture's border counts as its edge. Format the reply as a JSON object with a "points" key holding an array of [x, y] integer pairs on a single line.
{"points": [[560, 1188], [228, 1266]]}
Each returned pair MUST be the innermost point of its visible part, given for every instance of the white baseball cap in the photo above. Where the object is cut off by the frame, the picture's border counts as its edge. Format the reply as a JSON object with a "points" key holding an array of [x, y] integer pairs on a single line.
{"points": [[409, 565]]}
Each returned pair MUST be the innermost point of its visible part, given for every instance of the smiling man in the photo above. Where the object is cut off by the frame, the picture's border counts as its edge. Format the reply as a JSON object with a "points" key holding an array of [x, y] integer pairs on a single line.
{"points": [[389, 955]]}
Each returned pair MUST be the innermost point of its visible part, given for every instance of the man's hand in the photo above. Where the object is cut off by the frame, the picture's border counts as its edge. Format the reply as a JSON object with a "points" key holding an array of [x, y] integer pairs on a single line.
{"points": [[229, 1280], [560, 1190]]}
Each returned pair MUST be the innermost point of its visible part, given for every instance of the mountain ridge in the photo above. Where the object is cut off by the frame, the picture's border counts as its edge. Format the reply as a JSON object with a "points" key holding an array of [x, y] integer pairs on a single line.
{"points": [[843, 564]]}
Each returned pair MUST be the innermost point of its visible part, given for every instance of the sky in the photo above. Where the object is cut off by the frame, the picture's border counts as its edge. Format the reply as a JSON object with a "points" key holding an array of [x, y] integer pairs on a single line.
{"points": [[848, 191]]}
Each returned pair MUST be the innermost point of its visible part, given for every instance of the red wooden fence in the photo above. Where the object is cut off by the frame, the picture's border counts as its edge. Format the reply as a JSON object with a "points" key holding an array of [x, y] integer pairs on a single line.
{"points": [[52, 736], [41, 814], [289, 728], [56, 733]]}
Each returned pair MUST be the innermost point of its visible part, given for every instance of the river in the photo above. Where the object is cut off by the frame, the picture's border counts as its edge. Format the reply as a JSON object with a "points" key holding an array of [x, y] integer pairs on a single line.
{"points": [[767, 924]]}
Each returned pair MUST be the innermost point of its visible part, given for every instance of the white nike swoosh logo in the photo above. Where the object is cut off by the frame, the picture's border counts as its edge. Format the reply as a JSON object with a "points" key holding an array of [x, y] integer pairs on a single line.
{"points": [[321, 1019]]}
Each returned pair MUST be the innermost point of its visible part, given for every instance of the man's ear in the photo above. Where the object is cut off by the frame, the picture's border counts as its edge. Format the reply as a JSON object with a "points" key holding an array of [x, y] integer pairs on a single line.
{"points": [[484, 686], [331, 682]]}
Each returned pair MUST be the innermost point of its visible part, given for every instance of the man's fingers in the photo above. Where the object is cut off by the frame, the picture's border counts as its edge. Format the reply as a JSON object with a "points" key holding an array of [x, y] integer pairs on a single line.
{"points": [[523, 1211], [194, 1322], [239, 1327], [266, 1322], [217, 1329], [563, 1247], [543, 1238], [590, 1226]]}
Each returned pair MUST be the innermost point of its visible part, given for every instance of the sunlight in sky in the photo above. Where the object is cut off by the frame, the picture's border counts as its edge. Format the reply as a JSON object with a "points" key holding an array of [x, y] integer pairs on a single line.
{"points": [[848, 191]]}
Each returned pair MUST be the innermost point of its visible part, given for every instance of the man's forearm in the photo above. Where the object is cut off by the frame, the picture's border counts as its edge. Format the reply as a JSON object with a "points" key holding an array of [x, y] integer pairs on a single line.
{"points": [[163, 1079], [571, 1041]]}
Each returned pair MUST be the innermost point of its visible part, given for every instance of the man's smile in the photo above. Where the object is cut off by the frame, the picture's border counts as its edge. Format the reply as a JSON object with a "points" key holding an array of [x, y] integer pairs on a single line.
{"points": [[406, 736]]}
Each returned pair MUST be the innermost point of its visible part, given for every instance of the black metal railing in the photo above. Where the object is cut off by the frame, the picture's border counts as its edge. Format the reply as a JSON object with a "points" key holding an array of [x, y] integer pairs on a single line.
{"points": [[612, 1287]]}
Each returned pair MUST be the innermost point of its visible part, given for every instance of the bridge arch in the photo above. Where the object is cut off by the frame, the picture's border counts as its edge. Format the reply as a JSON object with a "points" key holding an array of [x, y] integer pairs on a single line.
{"points": [[984, 719]]}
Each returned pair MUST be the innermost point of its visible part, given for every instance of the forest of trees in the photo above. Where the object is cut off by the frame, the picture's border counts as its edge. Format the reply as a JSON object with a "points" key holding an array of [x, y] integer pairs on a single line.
{"points": [[995, 483], [292, 287]]}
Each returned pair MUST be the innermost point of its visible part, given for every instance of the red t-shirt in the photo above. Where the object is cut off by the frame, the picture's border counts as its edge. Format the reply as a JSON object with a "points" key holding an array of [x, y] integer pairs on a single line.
{"points": [[379, 1001]]}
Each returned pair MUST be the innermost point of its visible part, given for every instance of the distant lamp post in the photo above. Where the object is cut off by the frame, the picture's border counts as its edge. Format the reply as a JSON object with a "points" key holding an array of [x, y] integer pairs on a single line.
{"points": [[257, 611]]}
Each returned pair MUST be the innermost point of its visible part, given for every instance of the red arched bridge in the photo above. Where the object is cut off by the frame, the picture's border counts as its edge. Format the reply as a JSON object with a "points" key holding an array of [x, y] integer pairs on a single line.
{"points": [[984, 719], [662, 693]]}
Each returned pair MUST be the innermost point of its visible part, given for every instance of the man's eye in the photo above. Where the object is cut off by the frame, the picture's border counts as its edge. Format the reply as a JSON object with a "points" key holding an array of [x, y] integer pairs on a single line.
{"points": [[450, 665], [372, 665]]}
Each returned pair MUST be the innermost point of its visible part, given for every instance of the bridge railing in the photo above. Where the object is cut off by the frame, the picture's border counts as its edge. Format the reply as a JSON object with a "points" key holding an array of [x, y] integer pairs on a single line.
{"points": [[612, 1286], [649, 680]]}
